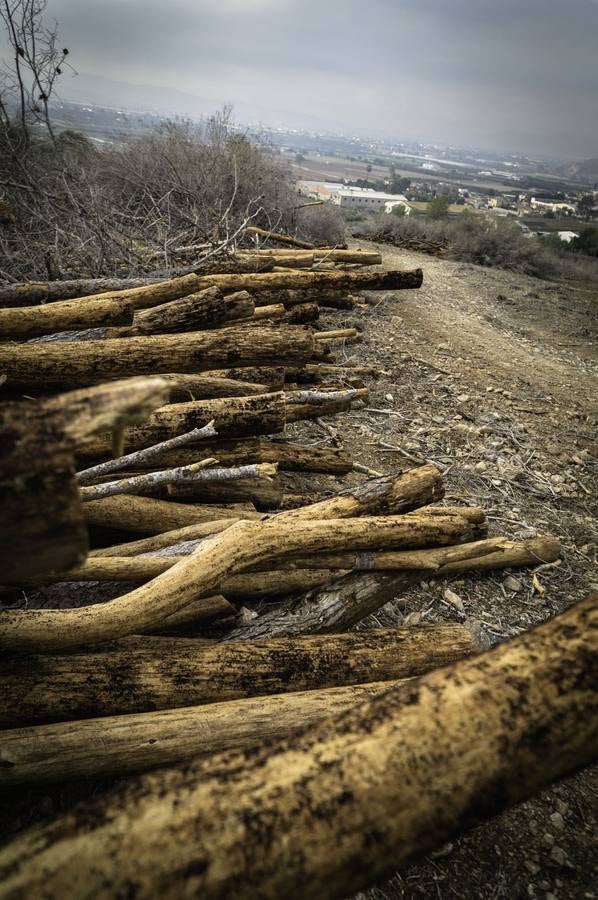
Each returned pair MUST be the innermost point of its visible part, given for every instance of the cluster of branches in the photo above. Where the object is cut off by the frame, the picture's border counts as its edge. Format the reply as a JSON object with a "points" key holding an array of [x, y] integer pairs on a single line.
{"points": [[73, 208]]}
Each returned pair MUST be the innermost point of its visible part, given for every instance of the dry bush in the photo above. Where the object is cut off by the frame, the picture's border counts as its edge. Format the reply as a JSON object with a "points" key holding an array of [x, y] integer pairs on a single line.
{"points": [[127, 208], [483, 240]]}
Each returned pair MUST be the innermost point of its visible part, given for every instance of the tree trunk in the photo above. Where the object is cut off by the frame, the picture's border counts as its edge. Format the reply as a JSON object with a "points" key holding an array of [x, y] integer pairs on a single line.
{"points": [[346, 802], [329, 254], [197, 312], [34, 292], [333, 605], [278, 238], [130, 743], [264, 492], [207, 387], [312, 280], [66, 315], [289, 456], [149, 515], [232, 417], [336, 299], [90, 362], [81, 685], [238, 548], [272, 376], [184, 535]]}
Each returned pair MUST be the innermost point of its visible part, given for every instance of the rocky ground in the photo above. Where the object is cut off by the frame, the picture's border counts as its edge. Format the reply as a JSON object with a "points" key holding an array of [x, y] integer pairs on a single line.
{"points": [[492, 376]]}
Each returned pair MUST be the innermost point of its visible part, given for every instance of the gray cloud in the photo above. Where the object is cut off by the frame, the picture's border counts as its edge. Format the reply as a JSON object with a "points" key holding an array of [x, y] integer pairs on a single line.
{"points": [[520, 74]]}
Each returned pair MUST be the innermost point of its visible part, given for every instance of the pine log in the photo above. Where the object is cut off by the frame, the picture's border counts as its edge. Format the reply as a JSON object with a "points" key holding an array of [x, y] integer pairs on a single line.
{"points": [[238, 548], [198, 612], [265, 492], [42, 527], [232, 417], [207, 387], [62, 751], [80, 685], [300, 314], [434, 758], [291, 260], [148, 515], [330, 254], [290, 457], [90, 362], [29, 321]]}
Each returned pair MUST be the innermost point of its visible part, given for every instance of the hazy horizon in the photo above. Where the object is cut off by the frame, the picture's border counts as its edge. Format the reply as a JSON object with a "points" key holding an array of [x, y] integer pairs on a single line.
{"points": [[516, 75]]}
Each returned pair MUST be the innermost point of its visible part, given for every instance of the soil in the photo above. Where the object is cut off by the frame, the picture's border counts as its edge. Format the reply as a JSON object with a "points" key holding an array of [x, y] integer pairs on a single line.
{"points": [[493, 376]]}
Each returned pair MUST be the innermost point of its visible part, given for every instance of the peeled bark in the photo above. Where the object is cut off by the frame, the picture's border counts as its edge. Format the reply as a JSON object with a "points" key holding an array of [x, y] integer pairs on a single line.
{"points": [[131, 743], [238, 548], [149, 515], [90, 362], [80, 685], [195, 532], [29, 321], [332, 605], [360, 794]]}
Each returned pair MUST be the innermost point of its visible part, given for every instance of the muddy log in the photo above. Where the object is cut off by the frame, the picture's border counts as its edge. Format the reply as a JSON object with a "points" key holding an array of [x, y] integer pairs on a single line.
{"points": [[131, 743], [441, 755], [289, 456], [238, 548], [80, 685], [90, 362], [149, 515]]}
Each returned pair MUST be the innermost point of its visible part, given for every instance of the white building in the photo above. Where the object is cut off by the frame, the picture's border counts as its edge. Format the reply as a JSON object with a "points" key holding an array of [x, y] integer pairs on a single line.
{"points": [[551, 205], [365, 198]]}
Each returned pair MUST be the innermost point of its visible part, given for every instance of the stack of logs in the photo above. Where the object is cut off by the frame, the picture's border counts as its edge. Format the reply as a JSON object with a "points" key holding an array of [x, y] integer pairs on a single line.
{"points": [[202, 606]]}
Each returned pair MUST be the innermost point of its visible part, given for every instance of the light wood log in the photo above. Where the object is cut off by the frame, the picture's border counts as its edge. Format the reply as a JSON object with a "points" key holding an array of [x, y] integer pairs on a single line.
{"points": [[360, 794], [148, 515], [242, 545], [90, 362], [279, 238], [347, 281], [164, 539], [64, 315], [30, 293], [300, 314], [81, 685], [330, 254], [64, 751]]}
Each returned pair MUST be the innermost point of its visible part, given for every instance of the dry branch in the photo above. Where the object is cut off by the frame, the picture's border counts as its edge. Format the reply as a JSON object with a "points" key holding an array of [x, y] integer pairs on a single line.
{"points": [[149, 515]]}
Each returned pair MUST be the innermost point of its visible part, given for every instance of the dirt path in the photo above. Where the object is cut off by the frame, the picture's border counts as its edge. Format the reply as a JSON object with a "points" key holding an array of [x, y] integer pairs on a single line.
{"points": [[493, 376]]}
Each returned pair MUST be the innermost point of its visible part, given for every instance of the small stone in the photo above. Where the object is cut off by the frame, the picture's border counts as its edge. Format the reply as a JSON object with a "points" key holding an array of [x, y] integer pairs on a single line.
{"points": [[557, 821], [389, 397], [532, 867], [463, 398], [246, 615], [453, 599], [442, 851], [550, 896], [558, 855], [414, 618], [548, 839], [496, 482], [512, 584], [562, 807], [481, 466]]}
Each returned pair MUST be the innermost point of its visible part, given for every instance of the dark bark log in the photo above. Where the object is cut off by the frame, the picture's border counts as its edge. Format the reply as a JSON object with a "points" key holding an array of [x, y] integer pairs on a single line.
{"points": [[435, 757], [90, 362], [370, 281], [34, 292], [289, 297], [206, 387], [272, 376], [81, 685], [197, 312]]}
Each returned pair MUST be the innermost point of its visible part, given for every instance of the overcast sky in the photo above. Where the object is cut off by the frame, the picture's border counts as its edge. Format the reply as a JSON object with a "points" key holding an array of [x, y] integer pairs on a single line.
{"points": [[519, 74]]}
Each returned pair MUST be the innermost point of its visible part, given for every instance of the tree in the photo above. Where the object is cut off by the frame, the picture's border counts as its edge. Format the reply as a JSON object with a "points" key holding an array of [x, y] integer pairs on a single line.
{"points": [[586, 207], [438, 207], [368, 168], [398, 185], [27, 81]]}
